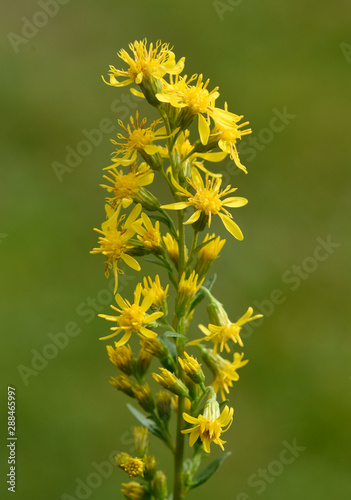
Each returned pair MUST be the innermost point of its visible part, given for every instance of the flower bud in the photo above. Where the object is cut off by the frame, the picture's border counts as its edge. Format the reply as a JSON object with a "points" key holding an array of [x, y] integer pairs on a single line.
{"points": [[135, 491], [141, 440], [147, 199], [217, 313], [163, 404], [169, 381], [159, 486], [187, 289], [143, 395], [122, 358], [143, 362], [192, 368], [122, 383], [150, 467]]}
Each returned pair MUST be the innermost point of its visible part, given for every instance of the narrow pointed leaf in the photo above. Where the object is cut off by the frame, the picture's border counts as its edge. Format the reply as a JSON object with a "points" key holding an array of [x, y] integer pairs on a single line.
{"points": [[145, 421], [206, 473]]}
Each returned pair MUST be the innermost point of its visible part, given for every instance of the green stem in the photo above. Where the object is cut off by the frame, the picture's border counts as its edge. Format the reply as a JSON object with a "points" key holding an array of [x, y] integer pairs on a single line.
{"points": [[178, 493]]}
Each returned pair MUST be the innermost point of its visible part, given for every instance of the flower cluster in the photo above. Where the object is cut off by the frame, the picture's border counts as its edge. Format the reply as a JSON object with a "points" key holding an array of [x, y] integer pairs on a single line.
{"points": [[138, 227]]}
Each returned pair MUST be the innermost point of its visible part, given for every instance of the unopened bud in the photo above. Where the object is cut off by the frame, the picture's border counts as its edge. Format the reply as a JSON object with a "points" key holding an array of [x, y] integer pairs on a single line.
{"points": [[159, 486]]}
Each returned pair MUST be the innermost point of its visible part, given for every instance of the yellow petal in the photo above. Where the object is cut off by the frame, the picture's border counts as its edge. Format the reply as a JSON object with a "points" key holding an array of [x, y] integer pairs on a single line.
{"points": [[233, 228], [204, 129], [137, 93], [147, 333], [235, 201], [194, 436], [130, 261], [153, 317], [194, 217], [177, 206], [151, 149]]}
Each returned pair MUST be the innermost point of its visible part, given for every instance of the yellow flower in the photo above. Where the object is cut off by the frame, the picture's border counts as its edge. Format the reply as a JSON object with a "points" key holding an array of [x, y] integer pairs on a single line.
{"points": [[192, 368], [134, 491], [125, 187], [169, 381], [172, 247], [133, 317], [132, 466], [221, 334], [160, 294], [114, 243], [122, 358], [138, 138], [226, 373], [187, 288], [207, 202], [227, 135], [154, 62], [210, 425], [195, 100], [208, 253], [150, 236]]}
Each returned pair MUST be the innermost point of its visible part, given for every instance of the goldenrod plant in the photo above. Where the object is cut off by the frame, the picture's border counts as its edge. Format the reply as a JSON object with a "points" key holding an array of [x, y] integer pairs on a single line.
{"points": [[137, 227]]}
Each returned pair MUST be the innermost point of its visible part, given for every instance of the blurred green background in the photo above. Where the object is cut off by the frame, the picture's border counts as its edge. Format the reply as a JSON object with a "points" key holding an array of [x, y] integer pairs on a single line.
{"points": [[269, 59]]}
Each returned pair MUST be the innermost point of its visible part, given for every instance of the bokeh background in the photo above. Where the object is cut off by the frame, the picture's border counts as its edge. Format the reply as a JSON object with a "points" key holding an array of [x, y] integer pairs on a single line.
{"points": [[269, 59]]}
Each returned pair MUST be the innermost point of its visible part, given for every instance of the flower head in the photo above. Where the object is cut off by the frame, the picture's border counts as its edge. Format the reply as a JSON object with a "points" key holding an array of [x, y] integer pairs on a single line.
{"points": [[172, 247], [226, 373], [221, 334], [122, 358], [133, 317], [210, 425], [160, 294], [169, 381], [187, 288], [227, 135], [134, 491], [126, 186], [155, 61], [149, 235], [195, 100], [192, 368], [207, 202], [114, 242], [137, 138], [211, 246], [132, 466]]}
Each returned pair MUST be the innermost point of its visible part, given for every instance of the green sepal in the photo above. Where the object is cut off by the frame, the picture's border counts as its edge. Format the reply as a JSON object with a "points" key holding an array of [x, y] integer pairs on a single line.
{"points": [[201, 294], [205, 474]]}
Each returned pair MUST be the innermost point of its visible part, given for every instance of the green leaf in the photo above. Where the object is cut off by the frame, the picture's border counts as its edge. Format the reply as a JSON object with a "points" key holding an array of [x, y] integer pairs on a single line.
{"points": [[175, 334], [205, 474], [200, 295], [145, 421]]}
